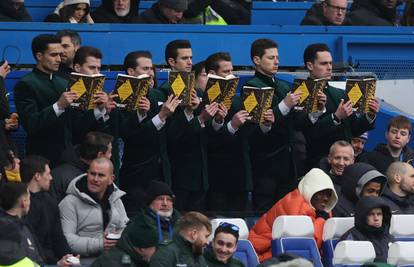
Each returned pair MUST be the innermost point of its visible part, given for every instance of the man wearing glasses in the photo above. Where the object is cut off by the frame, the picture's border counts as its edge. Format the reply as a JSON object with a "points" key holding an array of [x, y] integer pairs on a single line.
{"points": [[329, 12], [223, 246]]}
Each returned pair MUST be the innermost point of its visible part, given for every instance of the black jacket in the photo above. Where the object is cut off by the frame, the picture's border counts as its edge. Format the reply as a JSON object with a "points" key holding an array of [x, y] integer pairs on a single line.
{"points": [[105, 13], [10, 250], [379, 237], [44, 219], [63, 174], [397, 204], [314, 16], [381, 157], [370, 13], [354, 178], [9, 13], [154, 15]]}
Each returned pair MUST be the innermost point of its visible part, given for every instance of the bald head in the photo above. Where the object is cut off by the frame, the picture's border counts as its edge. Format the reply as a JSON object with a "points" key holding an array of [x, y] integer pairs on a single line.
{"points": [[104, 161], [100, 176], [401, 178]]}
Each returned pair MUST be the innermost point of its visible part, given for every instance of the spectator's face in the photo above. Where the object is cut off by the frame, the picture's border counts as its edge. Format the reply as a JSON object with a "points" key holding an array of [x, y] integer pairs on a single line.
{"points": [[69, 50], [162, 205], [144, 66], [335, 11], [224, 68], [91, 66], [224, 245], [44, 179], [397, 138], [183, 61], [172, 15], [321, 67], [358, 145], [374, 218], [389, 3], [146, 253], [80, 12], [50, 60], [199, 240], [320, 200], [99, 177], [340, 157], [371, 189], [268, 63], [407, 180], [201, 80], [122, 7]]}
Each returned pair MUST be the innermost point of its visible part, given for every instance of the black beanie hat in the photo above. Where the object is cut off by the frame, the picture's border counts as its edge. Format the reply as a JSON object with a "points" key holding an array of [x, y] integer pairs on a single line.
{"points": [[157, 188], [142, 235], [177, 5]]}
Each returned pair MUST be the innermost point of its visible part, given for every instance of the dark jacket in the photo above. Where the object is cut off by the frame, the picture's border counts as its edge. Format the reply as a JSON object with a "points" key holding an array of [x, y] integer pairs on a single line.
{"points": [[29, 244], [381, 157], [72, 166], [105, 13], [154, 15], [397, 204], [370, 13], [5, 142], [354, 178], [177, 253], [10, 239], [44, 219], [9, 13], [64, 71], [379, 237], [213, 262], [122, 255], [314, 16]]}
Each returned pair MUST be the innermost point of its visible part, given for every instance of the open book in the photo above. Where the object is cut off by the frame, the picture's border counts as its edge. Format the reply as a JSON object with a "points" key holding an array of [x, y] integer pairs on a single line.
{"points": [[85, 86], [130, 89], [182, 84], [360, 91], [220, 89], [309, 90], [257, 101]]}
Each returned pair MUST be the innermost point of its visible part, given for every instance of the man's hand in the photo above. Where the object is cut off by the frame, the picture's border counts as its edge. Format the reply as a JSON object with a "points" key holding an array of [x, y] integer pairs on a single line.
{"points": [[144, 105], [63, 262], [344, 110], [101, 99], [12, 123], [239, 119], [65, 99], [269, 117], [321, 100], [195, 102], [221, 113], [374, 106], [208, 112], [110, 105], [169, 107], [292, 99], [109, 243], [5, 69]]}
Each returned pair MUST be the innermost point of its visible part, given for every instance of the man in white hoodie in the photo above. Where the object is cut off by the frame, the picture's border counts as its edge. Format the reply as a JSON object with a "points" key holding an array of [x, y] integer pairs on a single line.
{"points": [[91, 210]]}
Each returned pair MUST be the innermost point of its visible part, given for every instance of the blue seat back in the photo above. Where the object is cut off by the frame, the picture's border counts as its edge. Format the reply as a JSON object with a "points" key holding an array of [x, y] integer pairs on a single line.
{"points": [[328, 248], [246, 254], [302, 246]]}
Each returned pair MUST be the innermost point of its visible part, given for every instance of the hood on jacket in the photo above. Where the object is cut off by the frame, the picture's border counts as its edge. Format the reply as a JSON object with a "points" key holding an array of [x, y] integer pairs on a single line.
{"points": [[314, 181], [109, 7], [356, 176], [363, 207]]}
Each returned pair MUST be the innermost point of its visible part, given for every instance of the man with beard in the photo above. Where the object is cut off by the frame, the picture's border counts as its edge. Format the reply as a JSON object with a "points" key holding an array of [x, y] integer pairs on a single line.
{"points": [[159, 213], [71, 42], [186, 248], [400, 188], [373, 13], [224, 245], [117, 11]]}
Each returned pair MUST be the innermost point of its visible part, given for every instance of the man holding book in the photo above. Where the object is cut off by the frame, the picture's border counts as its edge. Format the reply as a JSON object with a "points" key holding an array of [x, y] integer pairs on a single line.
{"points": [[339, 122], [272, 154], [187, 137]]}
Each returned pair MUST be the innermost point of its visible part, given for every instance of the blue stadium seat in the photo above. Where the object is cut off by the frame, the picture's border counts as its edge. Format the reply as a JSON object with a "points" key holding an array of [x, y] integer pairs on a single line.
{"points": [[333, 229], [294, 234]]}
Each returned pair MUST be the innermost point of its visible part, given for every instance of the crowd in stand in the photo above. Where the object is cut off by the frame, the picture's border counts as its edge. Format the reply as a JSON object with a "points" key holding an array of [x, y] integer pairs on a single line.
{"points": [[69, 199]]}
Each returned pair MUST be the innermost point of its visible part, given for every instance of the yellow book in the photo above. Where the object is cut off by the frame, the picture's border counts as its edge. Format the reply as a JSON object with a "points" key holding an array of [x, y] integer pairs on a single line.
{"points": [[130, 89], [360, 91], [309, 90], [85, 86], [182, 84], [257, 101], [220, 89]]}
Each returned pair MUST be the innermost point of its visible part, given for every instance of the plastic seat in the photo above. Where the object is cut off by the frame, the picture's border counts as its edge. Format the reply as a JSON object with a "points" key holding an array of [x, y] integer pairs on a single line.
{"points": [[401, 254], [402, 227], [353, 253]]}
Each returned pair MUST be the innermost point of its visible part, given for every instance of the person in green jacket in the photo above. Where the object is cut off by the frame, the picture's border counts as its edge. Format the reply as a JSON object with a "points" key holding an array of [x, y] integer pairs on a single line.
{"points": [[339, 122], [135, 249], [223, 246], [272, 153], [189, 240]]}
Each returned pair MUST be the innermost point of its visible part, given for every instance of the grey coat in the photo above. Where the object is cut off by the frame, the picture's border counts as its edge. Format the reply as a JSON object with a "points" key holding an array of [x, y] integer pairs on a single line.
{"points": [[82, 220]]}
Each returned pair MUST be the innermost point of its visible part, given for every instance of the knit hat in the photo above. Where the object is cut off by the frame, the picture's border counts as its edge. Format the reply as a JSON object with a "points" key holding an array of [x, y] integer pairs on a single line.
{"points": [[364, 136], [177, 5], [157, 188], [74, 2], [314, 181], [142, 235]]}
